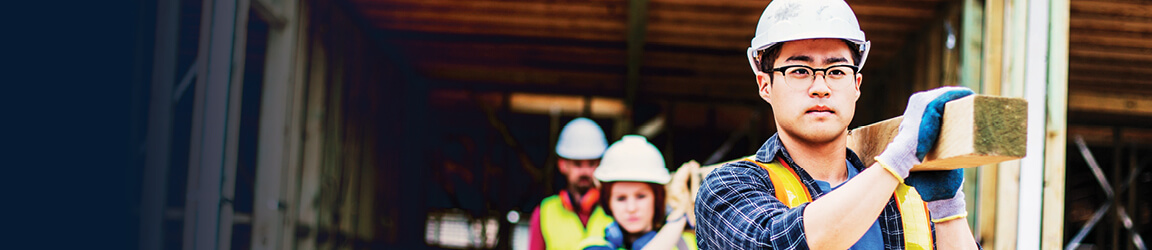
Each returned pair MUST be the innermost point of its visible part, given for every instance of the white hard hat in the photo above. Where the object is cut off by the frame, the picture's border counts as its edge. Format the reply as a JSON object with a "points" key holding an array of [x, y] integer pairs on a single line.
{"points": [[790, 20], [633, 158], [581, 139]]}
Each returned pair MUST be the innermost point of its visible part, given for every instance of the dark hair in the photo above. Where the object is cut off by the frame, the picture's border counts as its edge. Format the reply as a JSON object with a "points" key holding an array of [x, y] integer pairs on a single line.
{"points": [[768, 58], [657, 204]]}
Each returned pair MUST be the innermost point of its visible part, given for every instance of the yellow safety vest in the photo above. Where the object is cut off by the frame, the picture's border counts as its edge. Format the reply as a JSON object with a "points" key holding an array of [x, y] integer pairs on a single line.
{"points": [[562, 228], [913, 210]]}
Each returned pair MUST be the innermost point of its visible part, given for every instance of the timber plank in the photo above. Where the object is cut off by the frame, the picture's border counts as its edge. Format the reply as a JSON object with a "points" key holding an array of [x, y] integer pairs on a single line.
{"points": [[977, 130]]}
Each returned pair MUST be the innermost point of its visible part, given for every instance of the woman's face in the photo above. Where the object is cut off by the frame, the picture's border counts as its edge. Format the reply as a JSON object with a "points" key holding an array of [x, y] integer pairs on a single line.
{"points": [[632, 205]]}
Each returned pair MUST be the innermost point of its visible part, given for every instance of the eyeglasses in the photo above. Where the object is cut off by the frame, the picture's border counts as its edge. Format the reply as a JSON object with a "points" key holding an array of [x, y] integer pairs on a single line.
{"points": [[801, 76]]}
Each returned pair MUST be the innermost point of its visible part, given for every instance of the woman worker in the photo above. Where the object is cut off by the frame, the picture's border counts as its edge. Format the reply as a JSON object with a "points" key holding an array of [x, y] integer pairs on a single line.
{"points": [[632, 176]]}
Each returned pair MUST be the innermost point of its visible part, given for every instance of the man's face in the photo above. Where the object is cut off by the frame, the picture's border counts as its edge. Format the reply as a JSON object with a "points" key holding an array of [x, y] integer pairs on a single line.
{"points": [[817, 110], [579, 173]]}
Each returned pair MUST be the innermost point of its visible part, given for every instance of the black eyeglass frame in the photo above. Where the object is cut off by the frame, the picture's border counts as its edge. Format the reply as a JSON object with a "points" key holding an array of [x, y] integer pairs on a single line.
{"points": [[782, 70]]}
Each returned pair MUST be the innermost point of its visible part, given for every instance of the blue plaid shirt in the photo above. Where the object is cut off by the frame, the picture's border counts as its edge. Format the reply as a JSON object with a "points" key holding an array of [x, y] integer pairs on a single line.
{"points": [[736, 207]]}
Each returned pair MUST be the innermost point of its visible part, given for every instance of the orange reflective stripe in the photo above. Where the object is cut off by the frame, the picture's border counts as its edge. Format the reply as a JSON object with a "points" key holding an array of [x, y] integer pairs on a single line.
{"points": [[914, 215], [789, 190]]}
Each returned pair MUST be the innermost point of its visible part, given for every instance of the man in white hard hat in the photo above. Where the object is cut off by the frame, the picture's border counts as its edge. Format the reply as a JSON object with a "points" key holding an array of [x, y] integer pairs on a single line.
{"points": [[563, 220], [804, 188]]}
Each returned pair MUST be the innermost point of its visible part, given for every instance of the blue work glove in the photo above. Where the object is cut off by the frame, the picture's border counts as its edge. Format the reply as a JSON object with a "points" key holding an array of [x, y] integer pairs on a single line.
{"points": [[941, 209], [915, 138], [941, 189]]}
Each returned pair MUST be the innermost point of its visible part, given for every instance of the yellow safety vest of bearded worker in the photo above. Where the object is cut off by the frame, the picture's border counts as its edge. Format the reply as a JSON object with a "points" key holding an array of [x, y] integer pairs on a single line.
{"points": [[563, 220]]}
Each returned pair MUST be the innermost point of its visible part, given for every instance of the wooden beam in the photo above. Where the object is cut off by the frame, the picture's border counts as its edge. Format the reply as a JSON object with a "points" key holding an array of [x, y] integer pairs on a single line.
{"points": [[1104, 136], [892, 10], [1092, 22], [602, 107], [977, 130], [1093, 52], [637, 33], [1095, 68], [1112, 8], [1124, 104], [1114, 40]]}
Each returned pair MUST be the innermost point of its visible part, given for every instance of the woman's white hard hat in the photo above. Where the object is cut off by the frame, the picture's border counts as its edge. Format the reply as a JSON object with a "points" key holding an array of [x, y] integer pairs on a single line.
{"points": [[633, 158]]}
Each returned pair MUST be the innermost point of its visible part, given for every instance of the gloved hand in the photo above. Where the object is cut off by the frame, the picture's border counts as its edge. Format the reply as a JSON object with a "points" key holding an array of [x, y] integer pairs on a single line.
{"points": [[680, 198], [942, 191], [614, 235], [916, 135]]}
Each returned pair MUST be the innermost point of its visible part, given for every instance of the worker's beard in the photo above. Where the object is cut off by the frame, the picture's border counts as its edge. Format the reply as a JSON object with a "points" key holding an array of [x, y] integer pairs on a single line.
{"points": [[583, 184]]}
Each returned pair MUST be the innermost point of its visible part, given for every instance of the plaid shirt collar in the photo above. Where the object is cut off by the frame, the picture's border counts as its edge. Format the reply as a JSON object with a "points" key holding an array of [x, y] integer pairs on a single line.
{"points": [[774, 147]]}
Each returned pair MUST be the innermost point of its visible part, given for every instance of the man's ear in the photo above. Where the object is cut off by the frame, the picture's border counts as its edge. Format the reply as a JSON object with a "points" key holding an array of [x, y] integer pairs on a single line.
{"points": [[859, 80], [764, 87], [562, 164]]}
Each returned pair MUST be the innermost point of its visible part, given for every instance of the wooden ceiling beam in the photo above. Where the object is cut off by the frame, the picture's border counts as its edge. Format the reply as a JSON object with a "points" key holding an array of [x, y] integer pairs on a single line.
{"points": [[1094, 73], [1097, 86], [1124, 104], [1120, 41], [527, 54], [758, 6], [512, 75], [1089, 67], [593, 35], [692, 16], [1105, 80], [1107, 23], [893, 11], [1076, 51], [387, 16], [501, 8], [1111, 8], [1105, 135]]}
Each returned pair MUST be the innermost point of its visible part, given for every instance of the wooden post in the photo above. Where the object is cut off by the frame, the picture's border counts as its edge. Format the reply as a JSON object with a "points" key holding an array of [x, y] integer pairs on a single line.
{"points": [[294, 153], [1052, 218], [207, 218], [160, 120], [990, 84], [1011, 84], [307, 212], [971, 61], [274, 146]]}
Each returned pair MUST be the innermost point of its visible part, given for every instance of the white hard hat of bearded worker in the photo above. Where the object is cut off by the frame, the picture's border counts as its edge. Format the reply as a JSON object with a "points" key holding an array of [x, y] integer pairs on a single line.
{"points": [[633, 158], [581, 139], [790, 20]]}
